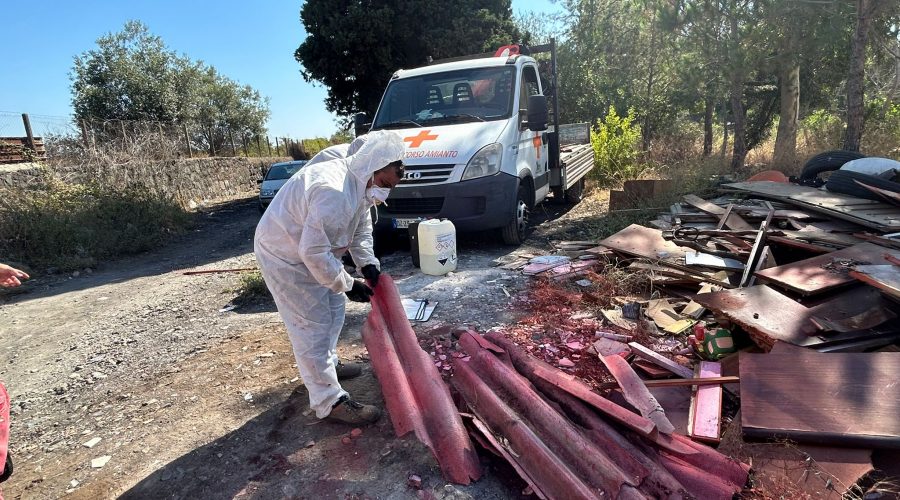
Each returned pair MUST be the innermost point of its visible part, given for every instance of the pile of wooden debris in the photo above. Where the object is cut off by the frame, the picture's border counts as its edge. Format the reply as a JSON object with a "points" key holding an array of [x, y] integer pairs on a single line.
{"points": [[762, 309]]}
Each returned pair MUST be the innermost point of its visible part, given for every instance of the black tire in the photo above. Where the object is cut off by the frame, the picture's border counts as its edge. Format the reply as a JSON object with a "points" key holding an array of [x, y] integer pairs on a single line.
{"points": [[262, 208], [827, 161], [515, 232], [844, 182], [575, 193]]}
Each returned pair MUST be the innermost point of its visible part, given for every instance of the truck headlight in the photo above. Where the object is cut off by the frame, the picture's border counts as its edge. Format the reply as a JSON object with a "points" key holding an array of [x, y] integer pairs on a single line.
{"points": [[485, 162], [267, 192]]}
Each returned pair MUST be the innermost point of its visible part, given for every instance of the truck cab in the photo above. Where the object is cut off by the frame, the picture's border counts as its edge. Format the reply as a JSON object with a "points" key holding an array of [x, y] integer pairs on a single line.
{"points": [[478, 143]]}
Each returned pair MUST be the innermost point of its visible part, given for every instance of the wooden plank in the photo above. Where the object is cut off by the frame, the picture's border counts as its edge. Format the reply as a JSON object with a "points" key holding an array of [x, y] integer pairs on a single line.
{"points": [[824, 272], [660, 360], [697, 258], [727, 217], [684, 382], [868, 213], [706, 206], [636, 392], [843, 399], [885, 277], [639, 241], [706, 406]]}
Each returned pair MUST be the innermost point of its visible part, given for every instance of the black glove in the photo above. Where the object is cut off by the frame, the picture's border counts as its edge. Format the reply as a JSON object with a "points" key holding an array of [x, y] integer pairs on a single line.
{"points": [[360, 292], [371, 273]]}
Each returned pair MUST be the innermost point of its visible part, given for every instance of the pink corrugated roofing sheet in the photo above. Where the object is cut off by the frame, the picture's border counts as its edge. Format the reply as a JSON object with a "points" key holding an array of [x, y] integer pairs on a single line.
{"points": [[415, 395]]}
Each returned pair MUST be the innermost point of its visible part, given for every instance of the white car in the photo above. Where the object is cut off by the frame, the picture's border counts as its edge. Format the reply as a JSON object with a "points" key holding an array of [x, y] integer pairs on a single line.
{"points": [[278, 174]]}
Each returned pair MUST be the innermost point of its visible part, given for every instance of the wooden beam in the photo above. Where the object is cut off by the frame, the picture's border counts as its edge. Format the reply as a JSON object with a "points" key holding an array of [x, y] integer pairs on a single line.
{"points": [[679, 382], [649, 355]]}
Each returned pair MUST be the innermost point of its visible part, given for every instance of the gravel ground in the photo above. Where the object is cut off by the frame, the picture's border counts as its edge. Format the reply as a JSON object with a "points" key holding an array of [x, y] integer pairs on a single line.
{"points": [[183, 396]]}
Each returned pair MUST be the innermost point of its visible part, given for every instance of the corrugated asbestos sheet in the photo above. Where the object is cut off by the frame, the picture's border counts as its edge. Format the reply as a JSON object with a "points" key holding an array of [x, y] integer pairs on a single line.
{"points": [[415, 395]]}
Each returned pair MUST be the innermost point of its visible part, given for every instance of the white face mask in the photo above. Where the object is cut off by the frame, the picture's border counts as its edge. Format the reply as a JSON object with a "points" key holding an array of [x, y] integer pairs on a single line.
{"points": [[377, 194]]}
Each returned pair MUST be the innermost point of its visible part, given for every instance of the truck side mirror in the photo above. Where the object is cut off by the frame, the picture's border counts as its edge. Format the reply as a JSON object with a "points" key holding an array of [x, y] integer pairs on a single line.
{"points": [[360, 125], [537, 113]]}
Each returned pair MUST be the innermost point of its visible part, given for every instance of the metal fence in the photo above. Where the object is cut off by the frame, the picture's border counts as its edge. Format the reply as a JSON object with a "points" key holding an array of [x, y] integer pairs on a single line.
{"points": [[64, 137]]}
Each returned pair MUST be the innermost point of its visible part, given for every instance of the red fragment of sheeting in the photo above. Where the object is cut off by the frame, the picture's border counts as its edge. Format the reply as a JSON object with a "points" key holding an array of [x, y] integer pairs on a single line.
{"points": [[4, 428], [415, 395]]}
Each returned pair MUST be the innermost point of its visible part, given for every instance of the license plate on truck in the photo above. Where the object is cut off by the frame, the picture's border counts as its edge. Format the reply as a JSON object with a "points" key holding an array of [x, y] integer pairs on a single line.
{"points": [[403, 223]]}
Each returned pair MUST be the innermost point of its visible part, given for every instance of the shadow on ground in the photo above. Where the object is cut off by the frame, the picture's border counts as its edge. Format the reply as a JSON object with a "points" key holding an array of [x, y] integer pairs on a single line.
{"points": [[283, 453]]}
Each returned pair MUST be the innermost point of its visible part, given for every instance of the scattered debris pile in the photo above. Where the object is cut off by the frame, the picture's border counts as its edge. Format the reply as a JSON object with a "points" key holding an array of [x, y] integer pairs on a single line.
{"points": [[568, 442], [764, 304]]}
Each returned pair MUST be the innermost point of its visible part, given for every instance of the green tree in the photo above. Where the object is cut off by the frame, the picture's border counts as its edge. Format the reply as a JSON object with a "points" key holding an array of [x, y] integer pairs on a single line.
{"points": [[132, 75], [353, 47]]}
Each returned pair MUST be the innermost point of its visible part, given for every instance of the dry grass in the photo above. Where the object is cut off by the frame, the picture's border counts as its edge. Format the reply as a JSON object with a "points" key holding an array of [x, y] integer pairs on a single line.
{"points": [[55, 224]]}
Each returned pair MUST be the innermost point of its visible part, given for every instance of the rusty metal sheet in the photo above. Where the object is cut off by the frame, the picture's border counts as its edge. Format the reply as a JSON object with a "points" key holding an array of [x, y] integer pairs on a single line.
{"points": [[825, 272]]}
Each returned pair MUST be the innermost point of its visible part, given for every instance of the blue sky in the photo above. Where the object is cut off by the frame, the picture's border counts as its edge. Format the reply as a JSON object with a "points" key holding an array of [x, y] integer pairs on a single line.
{"points": [[252, 44]]}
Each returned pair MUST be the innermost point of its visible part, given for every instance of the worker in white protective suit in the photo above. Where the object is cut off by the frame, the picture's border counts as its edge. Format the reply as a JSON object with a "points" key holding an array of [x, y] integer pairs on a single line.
{"points": [[320, 213]]}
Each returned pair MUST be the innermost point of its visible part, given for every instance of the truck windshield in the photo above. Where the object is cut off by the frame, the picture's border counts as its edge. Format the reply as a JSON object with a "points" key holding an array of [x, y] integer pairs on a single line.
{"points": [[478, 94]]}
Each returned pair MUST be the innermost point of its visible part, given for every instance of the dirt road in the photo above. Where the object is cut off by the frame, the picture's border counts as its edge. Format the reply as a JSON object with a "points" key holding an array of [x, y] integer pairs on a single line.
{"points": [[184, 396]]}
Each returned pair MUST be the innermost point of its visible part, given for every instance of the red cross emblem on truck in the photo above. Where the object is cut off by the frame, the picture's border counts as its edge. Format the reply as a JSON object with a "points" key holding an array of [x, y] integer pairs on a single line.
{"points": [[417, 140]]}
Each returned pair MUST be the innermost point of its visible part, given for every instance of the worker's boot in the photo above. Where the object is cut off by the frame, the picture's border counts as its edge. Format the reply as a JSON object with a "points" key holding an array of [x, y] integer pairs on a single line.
{"points": [[347, 371], [350, 412]]}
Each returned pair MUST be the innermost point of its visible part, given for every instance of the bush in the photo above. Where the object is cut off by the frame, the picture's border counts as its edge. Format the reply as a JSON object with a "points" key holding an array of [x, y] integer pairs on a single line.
{"points": [[615, 142], [70, 226], [253, 285]]}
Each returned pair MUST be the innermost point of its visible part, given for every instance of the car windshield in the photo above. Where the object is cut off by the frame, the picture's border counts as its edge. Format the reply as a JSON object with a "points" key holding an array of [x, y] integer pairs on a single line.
{"points": [[478, 94], [281, 171]]}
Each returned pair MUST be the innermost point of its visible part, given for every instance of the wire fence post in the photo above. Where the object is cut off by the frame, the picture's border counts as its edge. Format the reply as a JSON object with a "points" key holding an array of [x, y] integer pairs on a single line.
{"points": [[233, 149], [28, 134], [268, 146], [258, 145]]}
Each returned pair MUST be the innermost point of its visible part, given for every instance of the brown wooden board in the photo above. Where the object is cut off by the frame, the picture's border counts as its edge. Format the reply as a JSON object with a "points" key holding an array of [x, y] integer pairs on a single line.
{"points": [[767, 315], [639, 241], [825, 272], [868, 213], [842, 399], [885, 277]]}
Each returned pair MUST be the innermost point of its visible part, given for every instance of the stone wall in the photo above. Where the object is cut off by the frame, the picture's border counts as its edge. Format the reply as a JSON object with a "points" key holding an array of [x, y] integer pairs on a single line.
{"points": [[190, 181]]}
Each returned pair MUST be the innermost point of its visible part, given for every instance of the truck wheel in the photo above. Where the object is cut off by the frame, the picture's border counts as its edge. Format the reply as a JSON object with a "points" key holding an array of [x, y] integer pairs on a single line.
{"points": [[575, 193], [514, 232]]}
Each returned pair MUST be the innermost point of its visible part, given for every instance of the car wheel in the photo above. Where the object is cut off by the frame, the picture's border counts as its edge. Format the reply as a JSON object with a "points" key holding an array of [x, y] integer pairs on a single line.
{"points": [[262, 208], [515, 231], [827, 161]]}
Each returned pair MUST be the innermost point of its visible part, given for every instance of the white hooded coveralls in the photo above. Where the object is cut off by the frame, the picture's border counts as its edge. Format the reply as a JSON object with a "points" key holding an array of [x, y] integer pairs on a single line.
{"points": [[320, 213]]}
